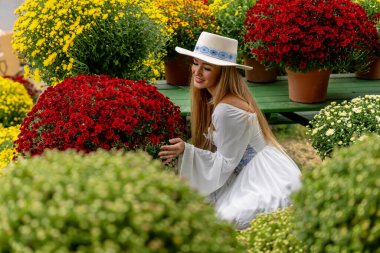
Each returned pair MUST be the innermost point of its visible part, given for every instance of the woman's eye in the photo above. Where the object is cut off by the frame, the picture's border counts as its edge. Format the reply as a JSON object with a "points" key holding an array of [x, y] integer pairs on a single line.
{"points": [[194, 63], [207, 69]]}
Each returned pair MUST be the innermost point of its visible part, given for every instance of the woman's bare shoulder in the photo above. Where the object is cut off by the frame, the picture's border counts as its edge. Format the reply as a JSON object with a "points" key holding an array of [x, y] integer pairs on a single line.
{"points": [[236, 102]]}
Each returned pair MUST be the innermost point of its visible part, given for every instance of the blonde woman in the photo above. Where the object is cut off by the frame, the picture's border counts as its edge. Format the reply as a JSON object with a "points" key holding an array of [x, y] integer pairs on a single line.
{"points": [[233, 158]]}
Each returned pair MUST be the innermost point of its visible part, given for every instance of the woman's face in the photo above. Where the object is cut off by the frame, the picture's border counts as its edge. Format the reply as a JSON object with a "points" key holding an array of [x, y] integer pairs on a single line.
{"points": [[205, 75]]}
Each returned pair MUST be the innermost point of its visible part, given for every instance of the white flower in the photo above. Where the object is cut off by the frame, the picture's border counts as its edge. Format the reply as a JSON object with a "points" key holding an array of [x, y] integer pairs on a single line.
{"points": [[356, 110], [330, 132], [343, 114]]}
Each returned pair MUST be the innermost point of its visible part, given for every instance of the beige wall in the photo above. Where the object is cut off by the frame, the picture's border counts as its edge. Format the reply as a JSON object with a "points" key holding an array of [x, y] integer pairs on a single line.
{"points": [[7, 16]]}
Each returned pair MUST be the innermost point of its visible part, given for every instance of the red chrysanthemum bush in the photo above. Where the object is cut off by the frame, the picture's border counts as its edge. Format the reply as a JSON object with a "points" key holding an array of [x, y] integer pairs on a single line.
{"points": [[90, 112], [304, 35]]}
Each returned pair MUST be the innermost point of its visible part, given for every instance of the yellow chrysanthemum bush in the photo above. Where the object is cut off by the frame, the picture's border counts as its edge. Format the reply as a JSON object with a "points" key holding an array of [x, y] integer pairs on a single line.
{"points": [[187, 19], [15, 102], [65, 38], [7, 149], [339, 125]]}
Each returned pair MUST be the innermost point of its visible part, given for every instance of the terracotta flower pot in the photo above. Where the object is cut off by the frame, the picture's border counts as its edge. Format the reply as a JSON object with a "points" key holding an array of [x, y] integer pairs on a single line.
{"points": [[373, 72], [259, 74], [309, 87], [178, 70]]}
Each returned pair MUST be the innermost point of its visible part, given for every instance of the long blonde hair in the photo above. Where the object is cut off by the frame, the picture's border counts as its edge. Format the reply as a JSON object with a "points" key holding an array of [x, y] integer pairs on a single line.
{"points": [[203, 104]]}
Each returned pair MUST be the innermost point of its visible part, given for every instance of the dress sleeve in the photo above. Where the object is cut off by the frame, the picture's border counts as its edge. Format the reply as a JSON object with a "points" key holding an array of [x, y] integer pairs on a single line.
{"points": [[208, 171]]}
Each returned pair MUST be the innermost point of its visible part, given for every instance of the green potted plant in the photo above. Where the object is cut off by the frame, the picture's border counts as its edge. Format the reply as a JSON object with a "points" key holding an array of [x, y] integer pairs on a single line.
{"points": [[230, 17], [309, 39], [186, 20], [372, 71], [67, 38]]}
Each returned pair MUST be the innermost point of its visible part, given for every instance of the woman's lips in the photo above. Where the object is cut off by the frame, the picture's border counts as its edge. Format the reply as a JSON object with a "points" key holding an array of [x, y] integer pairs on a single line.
{"points": [[198, 80]]}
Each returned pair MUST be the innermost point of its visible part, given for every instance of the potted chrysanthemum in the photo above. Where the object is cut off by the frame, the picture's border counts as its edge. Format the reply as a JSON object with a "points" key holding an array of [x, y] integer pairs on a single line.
{"points": [[61, 39], [309, 39], [187, 19], [372, 8]]}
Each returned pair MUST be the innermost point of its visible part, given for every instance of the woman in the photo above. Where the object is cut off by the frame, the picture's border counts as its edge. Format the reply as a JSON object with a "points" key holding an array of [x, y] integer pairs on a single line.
{"points": [[234, 159]]}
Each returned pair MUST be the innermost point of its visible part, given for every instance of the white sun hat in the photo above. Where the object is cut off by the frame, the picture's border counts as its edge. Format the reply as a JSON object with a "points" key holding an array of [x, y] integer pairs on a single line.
{"points": [[215, 49]]}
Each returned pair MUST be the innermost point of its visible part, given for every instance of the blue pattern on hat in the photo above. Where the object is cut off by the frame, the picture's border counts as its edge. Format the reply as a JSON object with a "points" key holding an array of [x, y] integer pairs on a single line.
{"points": [[222, 55]]}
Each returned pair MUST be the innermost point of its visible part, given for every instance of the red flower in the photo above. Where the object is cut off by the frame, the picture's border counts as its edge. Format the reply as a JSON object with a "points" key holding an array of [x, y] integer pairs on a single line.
{"points": [[295, 33], [90, 112]]}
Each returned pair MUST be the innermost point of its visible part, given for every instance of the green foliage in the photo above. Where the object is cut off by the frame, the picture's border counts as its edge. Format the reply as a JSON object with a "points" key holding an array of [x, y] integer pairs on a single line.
{"points": [[62, 39], [230, 17], [118, 48], [337, 209], [105, 202], [339, 125], [272, 232]]}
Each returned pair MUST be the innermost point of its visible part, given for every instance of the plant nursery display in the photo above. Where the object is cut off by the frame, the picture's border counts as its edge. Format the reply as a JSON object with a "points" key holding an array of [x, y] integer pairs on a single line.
{"points": [[105, 201], [339, 125], [7, 150], [90, 112], [60, 39], [303, 35], [337, 208], [15, 102], [272, 232]]}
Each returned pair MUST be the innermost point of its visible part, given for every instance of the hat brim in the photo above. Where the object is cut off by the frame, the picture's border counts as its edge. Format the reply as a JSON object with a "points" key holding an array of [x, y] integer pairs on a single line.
{"points": [[210, 59]]}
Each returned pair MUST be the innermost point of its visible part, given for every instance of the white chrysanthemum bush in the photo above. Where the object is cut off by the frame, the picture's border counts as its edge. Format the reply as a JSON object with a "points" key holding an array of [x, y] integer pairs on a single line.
{"points": [[339, 125]]}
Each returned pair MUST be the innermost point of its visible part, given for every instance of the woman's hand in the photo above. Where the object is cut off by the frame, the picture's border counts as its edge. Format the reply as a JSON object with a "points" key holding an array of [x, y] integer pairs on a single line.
{"points": [[170, 152]]}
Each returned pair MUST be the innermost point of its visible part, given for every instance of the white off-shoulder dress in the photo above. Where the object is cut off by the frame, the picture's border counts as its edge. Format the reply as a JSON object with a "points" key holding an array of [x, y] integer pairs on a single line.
{"points": [[245, 176]]}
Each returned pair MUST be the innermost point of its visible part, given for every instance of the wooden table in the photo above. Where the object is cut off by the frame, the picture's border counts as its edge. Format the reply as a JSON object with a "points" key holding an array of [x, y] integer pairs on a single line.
{"points": [[273, 99]]}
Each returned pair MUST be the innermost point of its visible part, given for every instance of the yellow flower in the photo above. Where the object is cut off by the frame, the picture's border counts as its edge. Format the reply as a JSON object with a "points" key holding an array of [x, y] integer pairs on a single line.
{"points": [[46, 30], [7, 149]]}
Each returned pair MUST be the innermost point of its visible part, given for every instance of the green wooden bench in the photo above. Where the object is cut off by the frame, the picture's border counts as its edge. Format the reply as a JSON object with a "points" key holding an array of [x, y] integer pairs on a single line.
{"points": [[273, 99]]}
